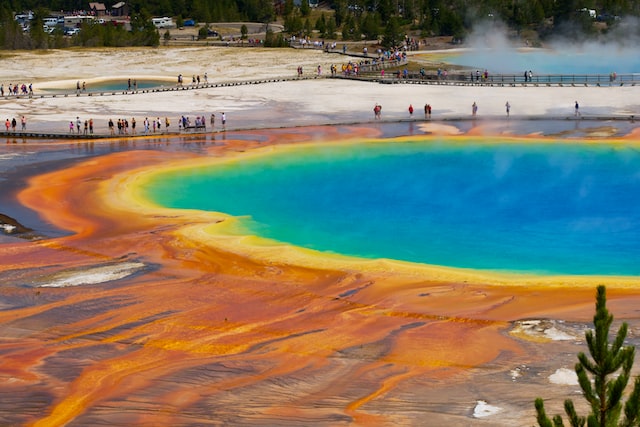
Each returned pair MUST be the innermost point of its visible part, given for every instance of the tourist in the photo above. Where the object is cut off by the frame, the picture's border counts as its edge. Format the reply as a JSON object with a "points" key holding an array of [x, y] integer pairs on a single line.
{"points": [[577, 109], [429, 110], [133, 125], [377, 110], [213, 120], [86, 127], [167, 123], [7, 124], [71, 126], [23, 121], [14, 123], [224, 120], [411, 110], [474, 109], [91, 126], [78, 124], [508, 108], [111, 131]]}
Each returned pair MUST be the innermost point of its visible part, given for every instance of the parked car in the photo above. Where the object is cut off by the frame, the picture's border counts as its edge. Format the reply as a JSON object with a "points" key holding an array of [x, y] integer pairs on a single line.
{"points": [[71, 31], [189, 23]]}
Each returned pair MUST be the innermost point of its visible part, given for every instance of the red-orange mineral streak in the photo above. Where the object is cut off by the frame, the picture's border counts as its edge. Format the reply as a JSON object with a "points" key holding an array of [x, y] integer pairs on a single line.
{"points": [[205, 335]]}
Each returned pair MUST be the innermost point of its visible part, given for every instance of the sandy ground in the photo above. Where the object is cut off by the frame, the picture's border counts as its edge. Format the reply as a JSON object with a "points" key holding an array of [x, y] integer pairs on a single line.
{"points": [[135, 316], [317, 101]]}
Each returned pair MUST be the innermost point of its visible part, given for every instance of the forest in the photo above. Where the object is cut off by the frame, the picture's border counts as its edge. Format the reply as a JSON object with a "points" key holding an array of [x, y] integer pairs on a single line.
{"points": [[386, 20]]}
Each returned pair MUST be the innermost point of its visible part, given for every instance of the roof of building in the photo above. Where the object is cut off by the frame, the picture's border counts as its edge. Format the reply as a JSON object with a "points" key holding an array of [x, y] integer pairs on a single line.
{"points": [[97, 6]]}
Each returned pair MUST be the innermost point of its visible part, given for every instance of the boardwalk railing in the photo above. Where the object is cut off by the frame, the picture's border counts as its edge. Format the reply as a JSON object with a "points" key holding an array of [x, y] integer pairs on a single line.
{"points": [[511, 79], [588, 79], [379, 65]]}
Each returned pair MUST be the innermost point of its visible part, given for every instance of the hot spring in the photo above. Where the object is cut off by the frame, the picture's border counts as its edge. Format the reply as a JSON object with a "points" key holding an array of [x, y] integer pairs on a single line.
{"points": [[591, 59], [534, 207], [116, 85]]}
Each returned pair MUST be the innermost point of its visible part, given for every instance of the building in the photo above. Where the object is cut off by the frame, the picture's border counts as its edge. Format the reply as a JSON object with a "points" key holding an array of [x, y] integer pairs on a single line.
{"points": [[98, 9], [120, 9]]}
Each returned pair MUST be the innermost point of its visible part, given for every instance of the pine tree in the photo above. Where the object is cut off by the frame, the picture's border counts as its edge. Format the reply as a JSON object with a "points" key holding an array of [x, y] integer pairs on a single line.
{"points": [[392, 33], [603, 392]]}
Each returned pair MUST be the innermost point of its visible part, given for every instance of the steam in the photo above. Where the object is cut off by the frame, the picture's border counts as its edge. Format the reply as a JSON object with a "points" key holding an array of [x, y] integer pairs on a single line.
{"points": [[495, 48], [490, 34]]}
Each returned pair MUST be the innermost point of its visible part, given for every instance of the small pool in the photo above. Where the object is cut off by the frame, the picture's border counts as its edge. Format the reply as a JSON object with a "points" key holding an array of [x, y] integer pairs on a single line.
{"points": [[115, 85]]}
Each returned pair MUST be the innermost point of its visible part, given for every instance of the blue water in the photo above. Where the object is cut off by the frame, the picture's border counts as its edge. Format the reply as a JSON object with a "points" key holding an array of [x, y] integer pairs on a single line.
{"points": [[594, 60], [123, 85], [539, 208], [118, 85]]}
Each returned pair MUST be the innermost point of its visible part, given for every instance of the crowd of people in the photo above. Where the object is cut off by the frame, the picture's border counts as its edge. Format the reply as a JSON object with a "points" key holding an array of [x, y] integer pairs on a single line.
{"points": [[16, 89], [77, 126], [195, 80], [125, 126], [148, 126], [12, 124]]}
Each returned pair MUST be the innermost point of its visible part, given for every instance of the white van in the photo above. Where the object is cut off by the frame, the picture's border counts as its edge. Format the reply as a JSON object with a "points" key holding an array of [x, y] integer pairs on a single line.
{"points": [[162, 22], [50, 21]]}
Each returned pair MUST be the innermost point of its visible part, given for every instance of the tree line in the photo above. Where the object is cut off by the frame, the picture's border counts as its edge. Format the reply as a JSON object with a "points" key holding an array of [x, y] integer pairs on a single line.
{"points": [[347, 19]]}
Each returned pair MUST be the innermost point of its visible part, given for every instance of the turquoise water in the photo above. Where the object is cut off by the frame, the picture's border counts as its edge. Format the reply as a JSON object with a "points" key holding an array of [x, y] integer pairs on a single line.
{"points": [[541, 208], [594, 60], [118, 85], [124, 84]]}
